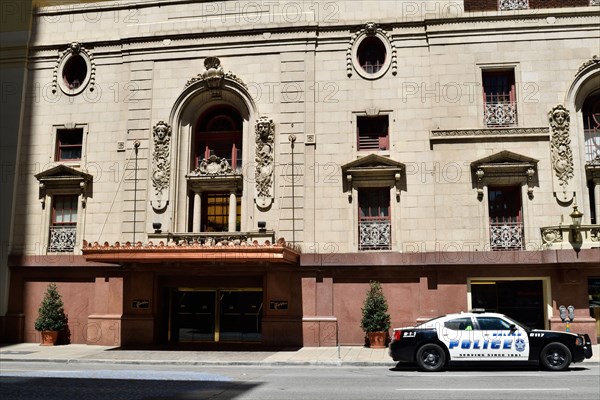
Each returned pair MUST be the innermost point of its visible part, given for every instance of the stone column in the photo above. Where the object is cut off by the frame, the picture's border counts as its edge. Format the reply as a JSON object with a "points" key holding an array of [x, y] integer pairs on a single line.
{"points": [[232, 211], [196, 216], [596, 204]]}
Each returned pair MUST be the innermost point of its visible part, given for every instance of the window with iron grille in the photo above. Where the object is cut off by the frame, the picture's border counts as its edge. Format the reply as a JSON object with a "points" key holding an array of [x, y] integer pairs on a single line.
{"points": [[63, 226], [374, 219], [373, 132], [499, 97], [69, 144], [591, 127], [506, 221]]}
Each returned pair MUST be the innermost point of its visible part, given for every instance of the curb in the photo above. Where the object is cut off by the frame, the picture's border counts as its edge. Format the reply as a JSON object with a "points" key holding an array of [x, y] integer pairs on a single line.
{"points": [[323, 363]]}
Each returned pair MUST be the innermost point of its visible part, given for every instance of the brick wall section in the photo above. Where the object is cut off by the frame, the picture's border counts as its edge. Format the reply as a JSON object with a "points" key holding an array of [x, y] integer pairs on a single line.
{"points": [[492, 5]]}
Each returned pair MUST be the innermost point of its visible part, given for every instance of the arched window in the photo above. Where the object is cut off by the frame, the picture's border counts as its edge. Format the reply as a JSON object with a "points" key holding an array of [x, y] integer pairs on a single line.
{"points": [[591, 126], [219, 133], [591, 134]]}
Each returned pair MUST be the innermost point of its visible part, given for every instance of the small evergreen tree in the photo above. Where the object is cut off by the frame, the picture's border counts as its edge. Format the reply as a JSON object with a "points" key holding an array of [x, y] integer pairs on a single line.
{"points": [[375, 317], [51, 314]]}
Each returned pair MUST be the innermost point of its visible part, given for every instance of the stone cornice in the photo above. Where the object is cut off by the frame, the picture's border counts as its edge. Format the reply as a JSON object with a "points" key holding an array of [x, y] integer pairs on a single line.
{"points": [[488, 133], [463, 25]]}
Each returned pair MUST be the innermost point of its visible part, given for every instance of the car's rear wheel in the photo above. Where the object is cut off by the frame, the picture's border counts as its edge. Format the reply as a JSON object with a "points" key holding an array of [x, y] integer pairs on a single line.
{"points": [[555, 357], [431, 358]]}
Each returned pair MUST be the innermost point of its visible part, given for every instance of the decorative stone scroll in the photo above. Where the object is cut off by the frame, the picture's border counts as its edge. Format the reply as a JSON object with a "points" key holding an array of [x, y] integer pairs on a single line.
{"points": [[161, 165], [74, 49], [213, 76], [265, 139], [560, 149]]}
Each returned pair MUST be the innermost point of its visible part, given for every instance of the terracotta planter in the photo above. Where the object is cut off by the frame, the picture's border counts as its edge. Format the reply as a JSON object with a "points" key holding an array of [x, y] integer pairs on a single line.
{"points": [[377, 339], [49, 338]]}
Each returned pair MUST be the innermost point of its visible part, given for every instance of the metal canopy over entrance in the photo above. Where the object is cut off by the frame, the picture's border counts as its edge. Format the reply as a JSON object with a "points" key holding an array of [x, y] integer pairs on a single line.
{"points": [[215, 315]]}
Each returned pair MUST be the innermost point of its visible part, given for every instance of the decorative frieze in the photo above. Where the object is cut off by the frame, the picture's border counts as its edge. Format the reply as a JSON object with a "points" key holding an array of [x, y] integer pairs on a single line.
{"points": [[560, 148], [458, 134], [161, 165], [265, 138]]}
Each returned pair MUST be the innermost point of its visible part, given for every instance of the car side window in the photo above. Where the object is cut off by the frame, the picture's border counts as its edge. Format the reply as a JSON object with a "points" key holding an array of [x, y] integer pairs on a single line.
{"points": [[492, 324], [459, 324]]}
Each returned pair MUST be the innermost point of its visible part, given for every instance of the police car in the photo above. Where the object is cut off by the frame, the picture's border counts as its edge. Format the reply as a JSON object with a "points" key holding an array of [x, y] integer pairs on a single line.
{"points": [[481, 336]]}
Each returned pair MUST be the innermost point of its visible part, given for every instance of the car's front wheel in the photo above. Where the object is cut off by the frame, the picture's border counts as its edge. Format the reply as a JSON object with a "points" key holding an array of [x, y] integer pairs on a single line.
{"points": [[431, 358], [555, 357]]}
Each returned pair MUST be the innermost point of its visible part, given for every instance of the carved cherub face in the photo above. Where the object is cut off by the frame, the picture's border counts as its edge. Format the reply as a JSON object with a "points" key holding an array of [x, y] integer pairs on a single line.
{"points": [[161, 131], [560, 116]]}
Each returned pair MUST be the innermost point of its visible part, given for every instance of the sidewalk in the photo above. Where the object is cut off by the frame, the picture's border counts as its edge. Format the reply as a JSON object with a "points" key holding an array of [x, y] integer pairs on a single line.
{"points": [[81, 353]]}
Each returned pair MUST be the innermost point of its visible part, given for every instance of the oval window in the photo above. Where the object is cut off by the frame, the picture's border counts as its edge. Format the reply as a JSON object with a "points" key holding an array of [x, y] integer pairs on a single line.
{"points": [[74, 72], [371, 54]]}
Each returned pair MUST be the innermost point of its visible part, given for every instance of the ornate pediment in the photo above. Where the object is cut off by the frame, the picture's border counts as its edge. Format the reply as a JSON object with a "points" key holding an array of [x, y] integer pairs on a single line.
{"points": [[504, 167], [372, 170], [64, 179]]}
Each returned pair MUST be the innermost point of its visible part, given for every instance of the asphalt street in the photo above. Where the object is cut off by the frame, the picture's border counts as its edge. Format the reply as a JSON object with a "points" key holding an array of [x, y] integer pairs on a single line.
{"points": [[60, 381]]}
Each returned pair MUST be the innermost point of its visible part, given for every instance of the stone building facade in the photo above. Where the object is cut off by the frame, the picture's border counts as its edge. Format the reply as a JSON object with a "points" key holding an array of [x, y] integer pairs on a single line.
{"points": [[238, 171]]}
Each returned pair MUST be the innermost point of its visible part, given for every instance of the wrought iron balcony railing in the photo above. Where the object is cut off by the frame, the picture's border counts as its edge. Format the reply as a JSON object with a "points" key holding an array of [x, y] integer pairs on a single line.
{"points": [[504, 5], [500, 114], [62, 238], [375, 234], [506, 236]]}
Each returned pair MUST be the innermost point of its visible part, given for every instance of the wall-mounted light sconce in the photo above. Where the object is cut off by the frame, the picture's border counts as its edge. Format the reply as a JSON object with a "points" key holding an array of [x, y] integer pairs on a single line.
{"points": [[262, 226], [156, 226], [576, 217]]}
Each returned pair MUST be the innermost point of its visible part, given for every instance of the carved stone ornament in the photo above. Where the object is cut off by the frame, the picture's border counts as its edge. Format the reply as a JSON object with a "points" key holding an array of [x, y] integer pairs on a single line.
{"points": [[594, 60], [161, 165], [560, 146], [212, 167], [551, 235], [265, 139], [213, 76], [371, 29], [74, 49]]}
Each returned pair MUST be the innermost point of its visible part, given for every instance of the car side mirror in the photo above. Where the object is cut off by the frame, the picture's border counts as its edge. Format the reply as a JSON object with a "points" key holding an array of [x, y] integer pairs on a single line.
{"points": [[513, 328]]}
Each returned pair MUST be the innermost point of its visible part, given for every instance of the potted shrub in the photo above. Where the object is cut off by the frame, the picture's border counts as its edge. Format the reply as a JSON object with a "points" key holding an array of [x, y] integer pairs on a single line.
{"points": [[51, 316], [375, 318]]}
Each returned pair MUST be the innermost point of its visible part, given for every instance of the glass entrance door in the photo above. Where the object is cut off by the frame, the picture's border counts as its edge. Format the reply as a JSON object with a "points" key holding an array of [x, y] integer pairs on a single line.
{"points": [[193, 316], [521, 300], [240, 316], [216, 315]]}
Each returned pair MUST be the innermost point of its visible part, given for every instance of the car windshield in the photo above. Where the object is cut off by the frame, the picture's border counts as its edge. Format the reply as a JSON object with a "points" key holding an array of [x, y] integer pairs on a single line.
{"points": [[512, 321]]}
